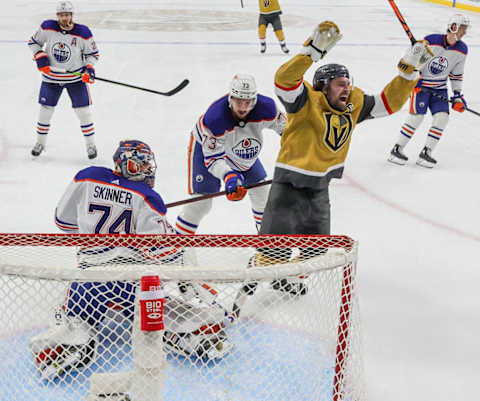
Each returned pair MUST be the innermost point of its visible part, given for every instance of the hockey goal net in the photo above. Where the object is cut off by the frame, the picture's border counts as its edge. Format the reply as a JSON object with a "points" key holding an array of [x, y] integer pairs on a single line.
{"points": [[237, 317]]}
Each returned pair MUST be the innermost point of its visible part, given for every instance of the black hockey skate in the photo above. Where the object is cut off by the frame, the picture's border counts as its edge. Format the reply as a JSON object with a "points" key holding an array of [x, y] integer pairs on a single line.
{"points": [[425, 158], [37, 149], [91, 151], [263, 46], [397, 156], [284, 48]]}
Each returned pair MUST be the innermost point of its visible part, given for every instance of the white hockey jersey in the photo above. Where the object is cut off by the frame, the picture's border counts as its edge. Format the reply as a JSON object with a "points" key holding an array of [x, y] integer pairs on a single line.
{"points": [[231, 145], [66, 50], [99, 201], [448, 62]]}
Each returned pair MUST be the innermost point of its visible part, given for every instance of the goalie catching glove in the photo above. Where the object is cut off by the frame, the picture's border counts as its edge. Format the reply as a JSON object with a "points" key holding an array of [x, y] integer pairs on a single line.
{"points": [[415, 57], [323, 38]]}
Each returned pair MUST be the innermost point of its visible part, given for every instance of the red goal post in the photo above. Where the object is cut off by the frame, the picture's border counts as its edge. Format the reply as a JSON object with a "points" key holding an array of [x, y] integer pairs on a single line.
{"points": [[283, 345]]}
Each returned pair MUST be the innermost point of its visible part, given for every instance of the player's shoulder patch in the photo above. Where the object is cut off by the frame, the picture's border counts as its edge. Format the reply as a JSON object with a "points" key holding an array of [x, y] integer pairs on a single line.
{"points": [[154, 199], [435, 39], [81, 30], [462, 47], [94, 173], [218, 118], [50, 25], [265, 109]]}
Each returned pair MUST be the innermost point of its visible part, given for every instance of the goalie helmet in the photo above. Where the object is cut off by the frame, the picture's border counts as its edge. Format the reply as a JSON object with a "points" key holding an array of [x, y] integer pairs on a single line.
{"points": [[455, 21], [243, 86], [135, 161], [324, 75], [64, 7]]}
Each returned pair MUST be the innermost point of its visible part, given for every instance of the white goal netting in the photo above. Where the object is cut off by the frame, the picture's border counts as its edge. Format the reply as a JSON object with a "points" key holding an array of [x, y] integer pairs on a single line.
{"points": [[235, 317]]}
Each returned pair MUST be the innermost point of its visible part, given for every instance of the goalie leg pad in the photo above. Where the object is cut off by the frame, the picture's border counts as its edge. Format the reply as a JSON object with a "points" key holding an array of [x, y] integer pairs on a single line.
{"points": [[69, 345], [196, 331]]}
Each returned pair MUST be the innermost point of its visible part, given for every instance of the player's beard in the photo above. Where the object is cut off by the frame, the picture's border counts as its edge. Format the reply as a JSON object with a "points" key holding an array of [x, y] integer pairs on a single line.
{"points": [[68, 25]]}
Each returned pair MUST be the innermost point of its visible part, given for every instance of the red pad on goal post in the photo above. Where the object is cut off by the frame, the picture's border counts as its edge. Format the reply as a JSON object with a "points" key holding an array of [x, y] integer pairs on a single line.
{"points": [[313, 337]]}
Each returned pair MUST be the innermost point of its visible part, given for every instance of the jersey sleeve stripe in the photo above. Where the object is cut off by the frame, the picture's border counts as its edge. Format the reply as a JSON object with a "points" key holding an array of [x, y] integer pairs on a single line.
{"points": [[283, 88], [289, 95], [385, 103], [215, 156], [64, 226], [33, 42]]}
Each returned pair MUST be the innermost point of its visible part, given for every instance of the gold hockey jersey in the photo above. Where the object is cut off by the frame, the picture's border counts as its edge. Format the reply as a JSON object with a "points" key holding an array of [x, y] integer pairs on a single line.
{"points": [[269, 6], [315, 142]]}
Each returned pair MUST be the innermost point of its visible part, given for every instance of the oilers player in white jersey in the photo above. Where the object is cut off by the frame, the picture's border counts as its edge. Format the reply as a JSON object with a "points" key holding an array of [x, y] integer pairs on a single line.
{"points": [[448, 62], [225, 145], [65, 53], [122, 201]]}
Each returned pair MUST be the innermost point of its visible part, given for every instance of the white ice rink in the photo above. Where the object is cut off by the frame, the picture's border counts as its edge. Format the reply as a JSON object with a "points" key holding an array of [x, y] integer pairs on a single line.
{"points": [[418, 228]]}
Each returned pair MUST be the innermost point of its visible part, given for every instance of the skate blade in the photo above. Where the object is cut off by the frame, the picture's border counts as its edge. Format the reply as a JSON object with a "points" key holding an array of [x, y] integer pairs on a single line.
{"points": [[396, 160], [424, 163]]}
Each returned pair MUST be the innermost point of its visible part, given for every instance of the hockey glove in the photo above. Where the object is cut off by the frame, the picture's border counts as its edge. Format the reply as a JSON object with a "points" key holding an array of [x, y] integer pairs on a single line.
{"points": [[323, 38], [458, 102], [280, 123], [234, 186], [415, 57], [43, 63], [88, 74]]}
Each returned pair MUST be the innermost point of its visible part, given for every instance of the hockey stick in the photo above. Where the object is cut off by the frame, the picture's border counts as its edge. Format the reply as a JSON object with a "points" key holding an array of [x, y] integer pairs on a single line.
{"points": [[402, 21], [241, 3], [171, 92], [449, 100], [214, 195]]}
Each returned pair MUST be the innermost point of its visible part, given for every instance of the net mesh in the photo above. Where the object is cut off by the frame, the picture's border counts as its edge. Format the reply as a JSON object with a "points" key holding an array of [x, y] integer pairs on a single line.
{"points": [[245, 318]]}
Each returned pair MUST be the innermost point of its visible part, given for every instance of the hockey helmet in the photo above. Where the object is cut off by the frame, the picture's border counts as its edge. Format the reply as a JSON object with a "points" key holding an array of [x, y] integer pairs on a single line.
{"points": [[324, 75], [135, 161], [243, 86], [64, 7], [455, 21]]}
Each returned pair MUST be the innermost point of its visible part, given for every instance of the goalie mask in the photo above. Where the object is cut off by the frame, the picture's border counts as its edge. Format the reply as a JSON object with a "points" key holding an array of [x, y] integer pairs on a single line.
{"points": [[456, 21], [324, 75], [243, 86], [135, 161]]}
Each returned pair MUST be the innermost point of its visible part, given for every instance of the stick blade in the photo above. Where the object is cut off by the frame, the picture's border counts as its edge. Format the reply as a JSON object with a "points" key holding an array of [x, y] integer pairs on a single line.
{"points": [[178, 88]]}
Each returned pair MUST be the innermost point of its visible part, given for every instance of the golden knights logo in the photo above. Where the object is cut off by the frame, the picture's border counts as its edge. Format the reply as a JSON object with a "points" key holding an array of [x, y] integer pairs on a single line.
{"points": [[337, 130]]}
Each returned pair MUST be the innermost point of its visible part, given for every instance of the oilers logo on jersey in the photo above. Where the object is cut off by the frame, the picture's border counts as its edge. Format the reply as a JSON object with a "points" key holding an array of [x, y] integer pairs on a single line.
{"points": [[337, 130], [438, 65], [247, 148], [61, 52]]}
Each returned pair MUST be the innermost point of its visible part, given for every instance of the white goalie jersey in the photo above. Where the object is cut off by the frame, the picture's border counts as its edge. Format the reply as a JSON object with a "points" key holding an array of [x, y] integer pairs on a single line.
{"points": [[99, 201], [66, 50]]}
